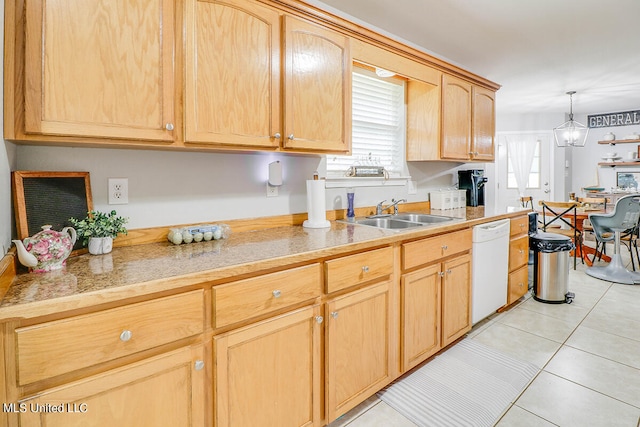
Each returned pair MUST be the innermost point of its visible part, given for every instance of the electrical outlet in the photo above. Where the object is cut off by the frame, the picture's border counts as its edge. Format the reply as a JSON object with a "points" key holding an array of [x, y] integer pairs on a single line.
{"points": [[272, 190], [118, 191]]}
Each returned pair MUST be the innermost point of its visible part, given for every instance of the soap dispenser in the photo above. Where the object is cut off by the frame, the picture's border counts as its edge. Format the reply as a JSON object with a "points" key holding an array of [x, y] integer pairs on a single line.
{"points": [[351, 216]]}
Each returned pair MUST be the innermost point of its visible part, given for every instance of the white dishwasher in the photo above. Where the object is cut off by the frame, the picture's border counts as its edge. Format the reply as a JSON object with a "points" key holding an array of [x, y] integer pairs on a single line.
{"points": [[490, 268]]}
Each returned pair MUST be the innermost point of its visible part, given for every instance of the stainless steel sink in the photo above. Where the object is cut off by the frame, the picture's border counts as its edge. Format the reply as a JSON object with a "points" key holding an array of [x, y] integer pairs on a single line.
{"points": [[403, 221], [423, 218], [390, 223]]}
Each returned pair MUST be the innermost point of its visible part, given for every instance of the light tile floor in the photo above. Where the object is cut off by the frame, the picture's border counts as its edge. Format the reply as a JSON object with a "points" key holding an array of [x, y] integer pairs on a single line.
{"points": [[588, 353]]}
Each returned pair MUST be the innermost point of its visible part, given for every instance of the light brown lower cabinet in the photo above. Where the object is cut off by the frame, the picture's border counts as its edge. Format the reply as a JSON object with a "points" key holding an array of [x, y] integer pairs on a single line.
{"points": [[358, 347], [166, 390], [420, 295], [269, 373], [518, 284], [456, 299], [435, 295], [436, 303]]}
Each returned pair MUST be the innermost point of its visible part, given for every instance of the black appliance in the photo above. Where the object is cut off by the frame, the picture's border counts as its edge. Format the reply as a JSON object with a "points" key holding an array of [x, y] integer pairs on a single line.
{"points": [[473, 181]]}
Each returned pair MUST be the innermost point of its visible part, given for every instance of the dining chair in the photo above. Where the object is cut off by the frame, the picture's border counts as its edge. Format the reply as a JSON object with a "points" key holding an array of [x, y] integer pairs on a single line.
{"points": [[625, 216], [526, 202], [555, 214], [594, 202], [629, 238]]}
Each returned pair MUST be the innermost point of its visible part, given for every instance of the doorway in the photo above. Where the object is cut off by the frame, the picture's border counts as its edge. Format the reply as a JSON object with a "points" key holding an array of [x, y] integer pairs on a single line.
{"points": [[540, 178]]}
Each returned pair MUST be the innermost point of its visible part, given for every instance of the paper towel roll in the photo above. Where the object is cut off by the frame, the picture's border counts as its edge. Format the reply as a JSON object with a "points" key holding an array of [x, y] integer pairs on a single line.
{"points": [[316, 205]]}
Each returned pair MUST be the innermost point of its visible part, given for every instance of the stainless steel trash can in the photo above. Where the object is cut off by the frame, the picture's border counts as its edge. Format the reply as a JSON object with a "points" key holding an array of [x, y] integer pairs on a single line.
{"points": [[551, 267]]}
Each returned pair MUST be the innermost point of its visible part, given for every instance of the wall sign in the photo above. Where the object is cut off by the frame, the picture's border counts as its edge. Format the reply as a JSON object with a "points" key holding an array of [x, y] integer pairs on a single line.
{"points": [[625, 118]]}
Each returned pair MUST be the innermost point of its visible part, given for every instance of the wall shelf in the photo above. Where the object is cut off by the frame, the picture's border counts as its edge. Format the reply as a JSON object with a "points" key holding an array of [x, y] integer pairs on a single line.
{"points": [[620, 141], [625, 164]]}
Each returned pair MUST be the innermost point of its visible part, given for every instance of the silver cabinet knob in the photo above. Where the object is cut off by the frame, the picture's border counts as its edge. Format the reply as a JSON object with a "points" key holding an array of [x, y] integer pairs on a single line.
{"points": [[199, 365], [441, 273], [319, 319], [521, 251], [365, 269], [169, 126], [449, 271], [334, 314], [277, 135], [276, 293], [291, 137], [125, 335], [445, 247]]}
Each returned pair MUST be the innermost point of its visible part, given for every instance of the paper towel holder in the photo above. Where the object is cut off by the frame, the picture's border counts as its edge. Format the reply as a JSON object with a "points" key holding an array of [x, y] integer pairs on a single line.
{"points": [[275, 174]]}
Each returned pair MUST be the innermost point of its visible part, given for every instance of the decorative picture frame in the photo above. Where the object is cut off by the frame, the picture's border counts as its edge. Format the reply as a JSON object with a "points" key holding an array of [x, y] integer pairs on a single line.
{"points": [[49, 198], [628, 180]]}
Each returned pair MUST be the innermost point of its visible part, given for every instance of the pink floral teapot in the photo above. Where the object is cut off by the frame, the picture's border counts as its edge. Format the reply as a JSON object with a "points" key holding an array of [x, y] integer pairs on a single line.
{"points": [[46, 250]]}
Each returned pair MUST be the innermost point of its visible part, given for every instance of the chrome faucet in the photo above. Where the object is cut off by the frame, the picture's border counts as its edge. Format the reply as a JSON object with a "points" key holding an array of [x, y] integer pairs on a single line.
{"points": [[394, 205]]}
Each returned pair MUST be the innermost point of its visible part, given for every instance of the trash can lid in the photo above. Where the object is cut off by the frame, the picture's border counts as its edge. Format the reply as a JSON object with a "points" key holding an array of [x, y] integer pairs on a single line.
{"points": [[550, 242]]}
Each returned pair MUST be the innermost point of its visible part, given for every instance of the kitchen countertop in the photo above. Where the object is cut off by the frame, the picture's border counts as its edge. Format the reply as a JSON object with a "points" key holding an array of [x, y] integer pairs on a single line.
{"points": [[144, 269]]}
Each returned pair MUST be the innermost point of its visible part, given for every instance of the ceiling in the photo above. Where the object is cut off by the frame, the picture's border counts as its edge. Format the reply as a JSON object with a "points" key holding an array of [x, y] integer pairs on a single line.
{"points": [[536, 49]]}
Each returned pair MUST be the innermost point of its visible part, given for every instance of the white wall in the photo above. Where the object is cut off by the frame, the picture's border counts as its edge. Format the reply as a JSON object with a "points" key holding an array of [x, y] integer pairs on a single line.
{"points": [[168, 188], [585, 159]]}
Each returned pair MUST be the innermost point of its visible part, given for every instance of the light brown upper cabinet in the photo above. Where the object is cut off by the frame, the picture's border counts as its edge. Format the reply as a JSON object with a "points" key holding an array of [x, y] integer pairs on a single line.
{"points": [[484, 120], [456, 119], [99, 69], [468, 121], [239, 94], [233, 73]]}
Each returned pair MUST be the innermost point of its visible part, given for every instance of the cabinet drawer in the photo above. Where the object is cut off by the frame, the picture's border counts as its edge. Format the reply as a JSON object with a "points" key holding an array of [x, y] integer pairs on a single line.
{"points": [[519, 225], [241, 300], [425, 251], [355, 269], [518, 284], [518, 252], [53, 348]]}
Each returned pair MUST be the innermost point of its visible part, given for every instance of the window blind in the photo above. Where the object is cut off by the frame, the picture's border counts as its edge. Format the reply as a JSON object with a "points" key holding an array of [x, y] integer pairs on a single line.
{"points": [[377, 125]]}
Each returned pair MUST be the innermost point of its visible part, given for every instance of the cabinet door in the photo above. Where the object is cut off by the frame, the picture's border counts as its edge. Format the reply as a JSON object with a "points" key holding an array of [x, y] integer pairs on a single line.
{"points": [[268, 374], [456, 299], [456, 118], [358, 340], [518, 252], [518, 284], [232, 73], [420, 299], [317, 88], [100, 68], [423, 121], [484, 119], [167, 390]]}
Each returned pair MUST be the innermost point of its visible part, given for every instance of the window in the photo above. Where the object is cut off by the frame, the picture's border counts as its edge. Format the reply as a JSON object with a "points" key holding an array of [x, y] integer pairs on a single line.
{"points": [[378, 125], [534, 174]]}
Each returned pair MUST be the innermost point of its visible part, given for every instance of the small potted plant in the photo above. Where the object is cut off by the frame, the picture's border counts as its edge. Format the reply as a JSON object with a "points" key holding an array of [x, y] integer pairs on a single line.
{"points": [[98, 229]]}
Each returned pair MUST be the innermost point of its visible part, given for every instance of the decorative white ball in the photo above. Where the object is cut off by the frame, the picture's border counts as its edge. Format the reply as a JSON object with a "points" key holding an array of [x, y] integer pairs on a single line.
{"points": [[217, 234], [208, 235], [187, 237], [176, 239], [198, 237]]}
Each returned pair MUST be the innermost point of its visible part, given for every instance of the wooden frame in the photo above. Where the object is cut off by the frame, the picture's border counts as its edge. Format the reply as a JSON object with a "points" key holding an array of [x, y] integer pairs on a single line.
{"points": [[74, 188], [623, 179]]}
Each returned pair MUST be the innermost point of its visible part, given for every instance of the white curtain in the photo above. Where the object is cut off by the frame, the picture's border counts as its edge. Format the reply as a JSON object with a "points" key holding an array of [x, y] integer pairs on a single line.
{"points": [[521, 149]]}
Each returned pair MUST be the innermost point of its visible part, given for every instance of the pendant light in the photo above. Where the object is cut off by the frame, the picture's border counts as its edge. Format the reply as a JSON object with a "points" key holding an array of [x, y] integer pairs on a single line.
{"points": [[571, 133]]}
